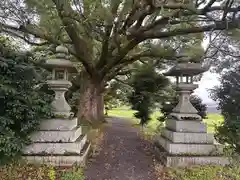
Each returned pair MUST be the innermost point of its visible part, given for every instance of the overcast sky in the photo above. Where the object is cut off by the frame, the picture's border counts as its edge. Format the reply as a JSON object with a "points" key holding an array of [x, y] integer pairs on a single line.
{"points": [[208, 81]]}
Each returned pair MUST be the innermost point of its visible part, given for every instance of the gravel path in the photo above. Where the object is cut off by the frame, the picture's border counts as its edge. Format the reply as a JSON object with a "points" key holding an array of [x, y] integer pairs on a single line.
{"points": [[124, 155]]}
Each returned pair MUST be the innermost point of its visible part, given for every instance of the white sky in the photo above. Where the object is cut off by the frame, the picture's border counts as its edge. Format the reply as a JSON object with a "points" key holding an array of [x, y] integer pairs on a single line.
{"points": [[208, 81]]}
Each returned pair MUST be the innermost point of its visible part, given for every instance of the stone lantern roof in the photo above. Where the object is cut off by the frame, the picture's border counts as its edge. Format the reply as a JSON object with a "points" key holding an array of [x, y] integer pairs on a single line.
{"points": [[186, 67], [61, 61]]}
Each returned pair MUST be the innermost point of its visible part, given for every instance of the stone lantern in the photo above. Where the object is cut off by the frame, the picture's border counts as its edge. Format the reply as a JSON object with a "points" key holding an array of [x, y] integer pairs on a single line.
{"points": [[60, 140], [184, 141], [60, 67], [184, 73]]}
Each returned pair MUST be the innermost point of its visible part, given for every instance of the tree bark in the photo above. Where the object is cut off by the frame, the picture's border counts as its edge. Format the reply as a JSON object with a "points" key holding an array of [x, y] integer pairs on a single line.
{"points": [[91, 103]]}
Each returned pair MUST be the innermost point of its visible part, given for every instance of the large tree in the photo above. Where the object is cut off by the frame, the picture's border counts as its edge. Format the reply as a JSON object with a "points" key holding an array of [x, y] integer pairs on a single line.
{"points": [[227, 94], [108, 35]]}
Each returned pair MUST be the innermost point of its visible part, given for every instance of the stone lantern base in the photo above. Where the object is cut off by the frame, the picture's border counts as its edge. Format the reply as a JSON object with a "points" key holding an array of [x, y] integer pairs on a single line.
{"points": [[186, 142], [59, 142]]}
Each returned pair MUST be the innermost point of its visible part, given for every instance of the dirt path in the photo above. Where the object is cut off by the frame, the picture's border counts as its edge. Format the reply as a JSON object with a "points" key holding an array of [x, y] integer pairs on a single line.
{"points": [[124, 155]]}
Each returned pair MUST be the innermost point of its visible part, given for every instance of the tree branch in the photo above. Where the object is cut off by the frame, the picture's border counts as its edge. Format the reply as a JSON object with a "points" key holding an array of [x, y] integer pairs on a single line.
{"points": [[122, 82], [128, 22], [183, 31], [122, 73], [29, 29], [104, 52], [209, 4], [80, 45], [148, 54], [25, 39], [178, 13], [136, 57], [118, 57]]}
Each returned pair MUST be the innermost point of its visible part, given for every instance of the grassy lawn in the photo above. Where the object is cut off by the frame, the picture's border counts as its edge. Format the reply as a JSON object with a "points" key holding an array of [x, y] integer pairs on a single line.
{"points": [[150, 128], [211, 121]]}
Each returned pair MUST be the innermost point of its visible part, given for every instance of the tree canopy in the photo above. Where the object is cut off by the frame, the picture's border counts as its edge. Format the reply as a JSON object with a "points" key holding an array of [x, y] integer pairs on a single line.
{"points": [[108, 36], [104, 35], [228, 97]]}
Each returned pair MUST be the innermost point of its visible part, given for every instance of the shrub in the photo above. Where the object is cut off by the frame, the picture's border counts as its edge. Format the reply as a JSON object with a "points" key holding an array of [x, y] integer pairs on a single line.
{"points": [[228, 97], [146, 84], [22, 105]]}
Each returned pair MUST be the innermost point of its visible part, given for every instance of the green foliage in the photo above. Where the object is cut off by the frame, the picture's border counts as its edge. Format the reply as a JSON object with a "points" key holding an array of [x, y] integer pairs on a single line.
{"points": [[145, 82], [116, 94], [74, 102], [228, 96], [73, 175], [21, 170], [206, 173], [196, 101], [22, 104]]}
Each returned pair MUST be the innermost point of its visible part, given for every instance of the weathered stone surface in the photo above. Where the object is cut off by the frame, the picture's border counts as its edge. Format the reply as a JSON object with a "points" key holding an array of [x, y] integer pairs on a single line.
{"points": [[59, 141], [59, 104], [186, 69], [186, 126], [184, 105], [187, 149], [186, 161], [57, 136], [58, 124], [182, 116], [184, 137], [185, 140], [79, 160], [56, 148]]}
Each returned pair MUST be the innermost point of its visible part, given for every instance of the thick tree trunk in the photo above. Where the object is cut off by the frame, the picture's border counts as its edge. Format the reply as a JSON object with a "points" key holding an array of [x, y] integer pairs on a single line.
{"points": [[91, 103]]}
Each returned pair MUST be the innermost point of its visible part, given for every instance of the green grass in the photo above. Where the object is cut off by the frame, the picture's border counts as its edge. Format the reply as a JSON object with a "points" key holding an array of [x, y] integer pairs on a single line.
{"points": [[213, 119], [150, 128], [126, 113]]}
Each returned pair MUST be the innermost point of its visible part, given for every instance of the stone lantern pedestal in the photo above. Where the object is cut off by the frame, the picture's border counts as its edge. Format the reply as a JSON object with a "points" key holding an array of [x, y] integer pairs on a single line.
{"points": [[60, 140], [184, 141]]}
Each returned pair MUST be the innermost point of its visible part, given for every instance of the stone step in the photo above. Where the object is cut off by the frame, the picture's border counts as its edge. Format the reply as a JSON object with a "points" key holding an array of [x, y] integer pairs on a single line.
{"points": [[57, 136], [60, 160], [186, 126], [56, 148], [186, 161], [185, 137], [58, 124], [188, 149]]}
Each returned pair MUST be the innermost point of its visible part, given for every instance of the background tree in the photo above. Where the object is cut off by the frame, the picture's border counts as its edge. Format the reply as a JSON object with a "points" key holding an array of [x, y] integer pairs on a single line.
{"points": [[106, 36], [22, 103], [172, 102], [228, 97], [146, 84]]}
